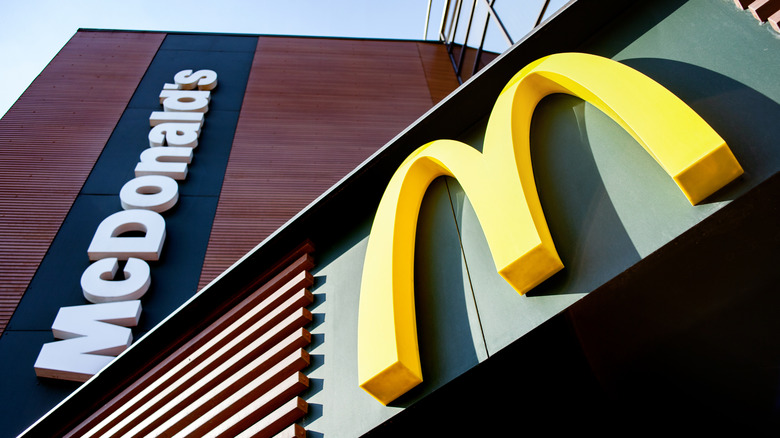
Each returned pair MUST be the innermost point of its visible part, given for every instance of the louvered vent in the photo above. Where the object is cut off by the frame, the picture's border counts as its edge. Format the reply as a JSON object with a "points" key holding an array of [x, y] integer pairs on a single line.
{"points": [[241, 376]]}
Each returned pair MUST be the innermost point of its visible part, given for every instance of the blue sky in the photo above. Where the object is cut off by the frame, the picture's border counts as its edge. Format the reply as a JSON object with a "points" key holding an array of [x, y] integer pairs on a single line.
{"points": [[33, 31]]}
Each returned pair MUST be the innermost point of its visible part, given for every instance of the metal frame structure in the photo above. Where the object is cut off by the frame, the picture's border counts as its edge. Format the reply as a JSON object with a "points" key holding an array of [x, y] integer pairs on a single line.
{"points": [[449, 24]]}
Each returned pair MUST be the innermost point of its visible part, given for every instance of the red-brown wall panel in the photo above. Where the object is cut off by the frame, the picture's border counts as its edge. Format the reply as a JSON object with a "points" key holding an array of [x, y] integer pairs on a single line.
{"points": [[438, 70], [314, 109], [68, 112]]}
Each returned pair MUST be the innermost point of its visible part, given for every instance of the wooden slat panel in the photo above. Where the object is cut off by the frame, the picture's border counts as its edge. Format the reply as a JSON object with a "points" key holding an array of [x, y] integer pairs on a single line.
{"points": [[774, 21], [298, 339], [293, 277], [763, 9], [439, 72], [276, 421], [211, 370], [238, 370], [231, 420], [232, 392], [313, 110], [294, 431], [243, 366], [242, 339], [188, 392], [50, 140]]}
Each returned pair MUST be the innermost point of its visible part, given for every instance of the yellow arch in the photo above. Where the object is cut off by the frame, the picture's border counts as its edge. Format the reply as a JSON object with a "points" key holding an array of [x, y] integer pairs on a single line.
{"points": [[691, 152]]}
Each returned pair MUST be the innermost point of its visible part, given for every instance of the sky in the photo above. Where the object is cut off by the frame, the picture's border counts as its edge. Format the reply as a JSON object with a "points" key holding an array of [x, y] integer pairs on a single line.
{"points": [[33, 31]]}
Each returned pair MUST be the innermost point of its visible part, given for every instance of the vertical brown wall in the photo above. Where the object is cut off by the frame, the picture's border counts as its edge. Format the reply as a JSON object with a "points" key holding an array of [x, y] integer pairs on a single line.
{"points": [[314, 109], [438, 70], [68, 112]]}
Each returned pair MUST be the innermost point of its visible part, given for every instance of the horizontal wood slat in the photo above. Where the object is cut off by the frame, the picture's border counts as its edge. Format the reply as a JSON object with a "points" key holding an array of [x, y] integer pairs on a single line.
{"points": [[189, 392], [763, 10], [276, 421], [229, 423], [313, 110], [210, 370], [50, 140], [294, 431], [230, 392], [294, 276], [238, 370]]}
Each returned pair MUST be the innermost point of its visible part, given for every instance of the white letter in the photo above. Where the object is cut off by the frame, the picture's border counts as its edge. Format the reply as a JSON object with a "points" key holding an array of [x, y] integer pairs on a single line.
{"points": [[98, 285], [107, 241], [186, 79], [151, 192], [92, 338], [158, 117], [175, 134], [185, 100], [169, 161]]}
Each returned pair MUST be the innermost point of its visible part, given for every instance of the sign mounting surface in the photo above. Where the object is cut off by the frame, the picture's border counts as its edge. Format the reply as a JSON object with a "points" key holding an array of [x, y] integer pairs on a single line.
{"points": [[685, 146]]}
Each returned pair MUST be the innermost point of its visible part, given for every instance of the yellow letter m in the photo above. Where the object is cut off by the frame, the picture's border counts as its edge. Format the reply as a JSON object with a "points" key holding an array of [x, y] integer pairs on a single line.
{"points": [[499, 183]]}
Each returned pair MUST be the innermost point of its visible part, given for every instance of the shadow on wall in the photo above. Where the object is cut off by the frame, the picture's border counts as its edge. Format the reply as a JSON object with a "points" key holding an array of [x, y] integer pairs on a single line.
{"points": [[450, 340], [588, 233], [745, 118], [695, 327]]}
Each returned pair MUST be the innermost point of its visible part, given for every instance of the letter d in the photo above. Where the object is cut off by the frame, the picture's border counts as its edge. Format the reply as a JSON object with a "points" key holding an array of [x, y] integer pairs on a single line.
{"points": [[108, 242]]}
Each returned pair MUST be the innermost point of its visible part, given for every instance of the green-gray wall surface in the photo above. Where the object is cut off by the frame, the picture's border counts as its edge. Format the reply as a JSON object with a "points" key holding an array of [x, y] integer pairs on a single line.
{"points": [[608, 204]]}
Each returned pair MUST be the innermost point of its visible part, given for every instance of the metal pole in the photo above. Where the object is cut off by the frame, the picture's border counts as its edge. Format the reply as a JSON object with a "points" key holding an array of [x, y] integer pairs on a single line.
{"points": [[482, 40], [500, 24], [444, 14], [454, 23], [541, 13], [427, 19], [466, 39]]}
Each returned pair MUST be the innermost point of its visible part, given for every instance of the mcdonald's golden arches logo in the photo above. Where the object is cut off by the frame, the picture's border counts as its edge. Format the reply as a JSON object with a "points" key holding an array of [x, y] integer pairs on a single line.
{"points": [[685, 146]]}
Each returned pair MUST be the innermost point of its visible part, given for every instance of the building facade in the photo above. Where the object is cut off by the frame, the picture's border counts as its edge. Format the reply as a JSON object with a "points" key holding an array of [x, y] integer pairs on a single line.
{"points": [[306, 111], [664, 314]]}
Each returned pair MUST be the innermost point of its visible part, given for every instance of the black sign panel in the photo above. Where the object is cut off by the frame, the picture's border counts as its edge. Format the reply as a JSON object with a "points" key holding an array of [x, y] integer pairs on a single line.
{"points": [[175, 276]]}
